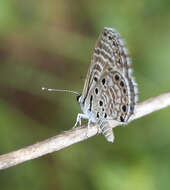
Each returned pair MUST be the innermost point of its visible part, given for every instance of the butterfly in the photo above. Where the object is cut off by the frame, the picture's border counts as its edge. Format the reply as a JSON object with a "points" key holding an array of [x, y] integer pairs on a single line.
{"points": [[110, 91]]}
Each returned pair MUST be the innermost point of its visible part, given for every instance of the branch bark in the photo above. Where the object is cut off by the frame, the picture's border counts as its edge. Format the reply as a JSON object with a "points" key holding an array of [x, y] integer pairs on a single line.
{"points": [[76, 135]]}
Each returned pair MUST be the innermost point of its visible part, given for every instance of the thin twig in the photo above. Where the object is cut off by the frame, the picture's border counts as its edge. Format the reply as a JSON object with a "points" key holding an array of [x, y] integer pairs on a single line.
{"points": [[73, 136]]}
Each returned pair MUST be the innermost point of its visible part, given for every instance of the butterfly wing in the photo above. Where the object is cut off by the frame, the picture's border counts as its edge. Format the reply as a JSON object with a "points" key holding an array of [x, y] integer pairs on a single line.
{"points": [[110, 92], [109, 79]]}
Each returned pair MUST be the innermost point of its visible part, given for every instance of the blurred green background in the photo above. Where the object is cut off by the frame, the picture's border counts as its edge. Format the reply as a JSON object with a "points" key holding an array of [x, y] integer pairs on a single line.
{"points": [[49, 43]]}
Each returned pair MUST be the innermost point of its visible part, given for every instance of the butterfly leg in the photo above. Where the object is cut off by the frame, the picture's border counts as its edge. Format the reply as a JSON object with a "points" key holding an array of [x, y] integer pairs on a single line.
{"points": [[107, 131], [88, 127], [89, 123], [79, 117]]}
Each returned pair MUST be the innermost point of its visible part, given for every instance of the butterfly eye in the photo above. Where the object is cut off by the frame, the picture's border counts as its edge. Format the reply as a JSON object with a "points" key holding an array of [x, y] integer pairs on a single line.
{"points": [[78, 98]]}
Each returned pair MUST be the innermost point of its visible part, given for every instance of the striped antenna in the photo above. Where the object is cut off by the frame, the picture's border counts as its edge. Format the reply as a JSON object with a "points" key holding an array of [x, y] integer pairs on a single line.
{"points": [[58, 90]]}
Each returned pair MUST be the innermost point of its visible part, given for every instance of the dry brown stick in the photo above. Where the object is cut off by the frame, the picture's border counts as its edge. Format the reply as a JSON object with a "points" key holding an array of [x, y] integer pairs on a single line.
{"points": [[70, 137]]}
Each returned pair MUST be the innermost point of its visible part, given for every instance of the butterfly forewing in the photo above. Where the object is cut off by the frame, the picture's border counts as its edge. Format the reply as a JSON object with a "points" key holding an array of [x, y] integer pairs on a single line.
{"points": [[109, 80]]}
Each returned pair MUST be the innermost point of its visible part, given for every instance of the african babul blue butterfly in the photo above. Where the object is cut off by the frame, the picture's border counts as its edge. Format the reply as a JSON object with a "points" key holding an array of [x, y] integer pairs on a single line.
{"points": [[110, 92]]}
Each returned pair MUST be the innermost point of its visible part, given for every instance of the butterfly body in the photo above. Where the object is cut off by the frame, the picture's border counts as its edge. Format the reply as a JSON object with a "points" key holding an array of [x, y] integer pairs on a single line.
{"points": [[110, 92]]}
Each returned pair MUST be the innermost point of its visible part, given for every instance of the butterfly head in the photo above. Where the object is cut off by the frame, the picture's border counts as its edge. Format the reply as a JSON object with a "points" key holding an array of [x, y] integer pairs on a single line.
{"points": [[78, 98]]}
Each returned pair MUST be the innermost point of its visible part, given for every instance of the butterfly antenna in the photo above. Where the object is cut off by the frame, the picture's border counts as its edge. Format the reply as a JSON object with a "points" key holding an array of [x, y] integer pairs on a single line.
{"points": [[58, 90]]}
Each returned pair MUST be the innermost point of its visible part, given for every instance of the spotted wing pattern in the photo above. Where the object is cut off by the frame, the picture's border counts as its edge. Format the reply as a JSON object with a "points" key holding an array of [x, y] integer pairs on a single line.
{"points": [[110, 90]]}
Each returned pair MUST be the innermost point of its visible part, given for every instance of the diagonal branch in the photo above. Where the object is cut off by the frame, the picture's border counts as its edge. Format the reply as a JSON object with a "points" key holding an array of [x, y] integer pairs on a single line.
{"points": [[73, 136]]}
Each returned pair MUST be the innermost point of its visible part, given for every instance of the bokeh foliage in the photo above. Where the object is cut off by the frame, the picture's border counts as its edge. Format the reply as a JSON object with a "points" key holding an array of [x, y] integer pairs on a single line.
{"points": [[49, 43]]}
